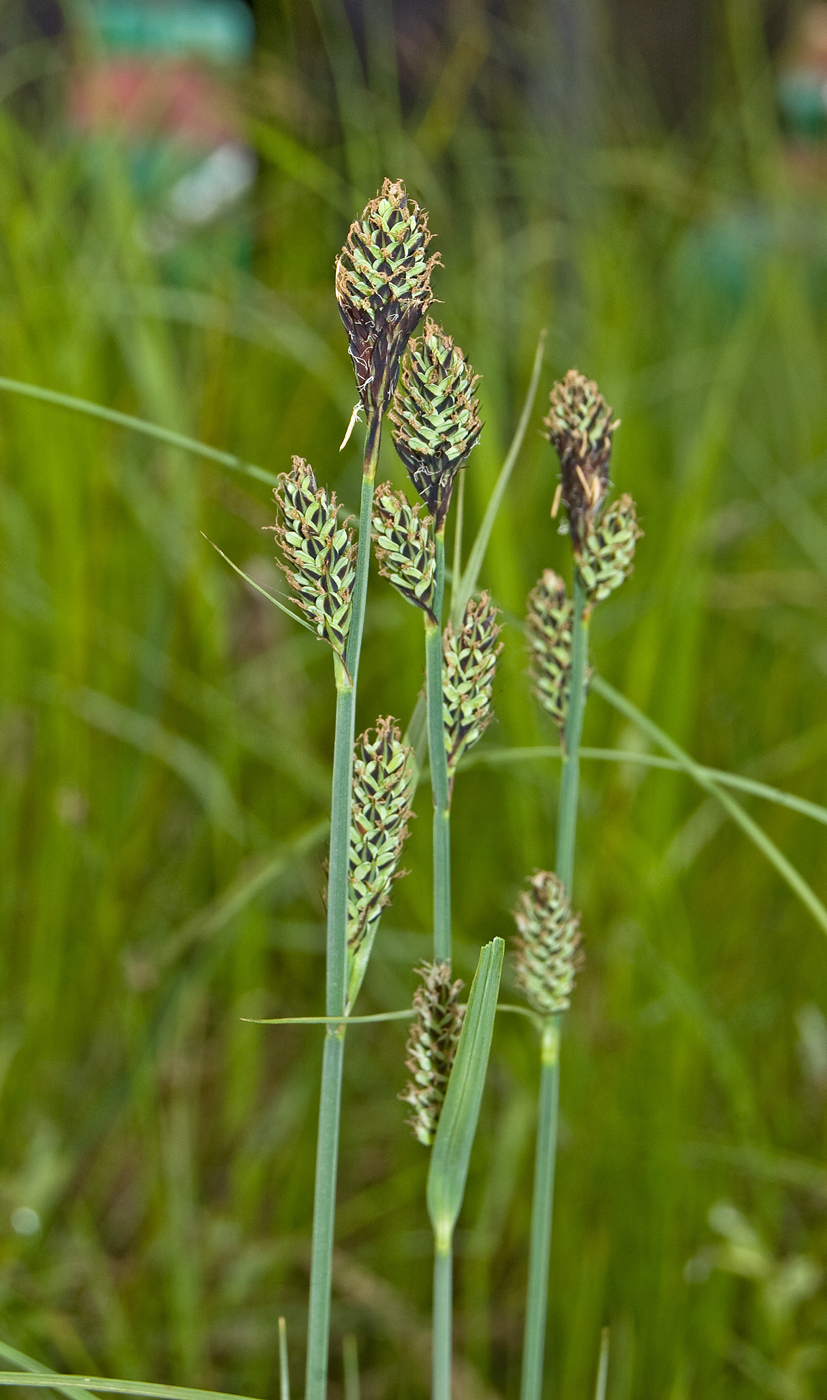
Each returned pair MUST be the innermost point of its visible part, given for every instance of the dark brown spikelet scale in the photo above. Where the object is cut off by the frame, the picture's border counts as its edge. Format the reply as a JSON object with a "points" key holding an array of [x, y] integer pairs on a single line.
{"points": [[435, 417], [404, 547], [548, 633], [318, 553], [383, 287], [580, 425], [432, 1046], [548, 952], [469, 661]]}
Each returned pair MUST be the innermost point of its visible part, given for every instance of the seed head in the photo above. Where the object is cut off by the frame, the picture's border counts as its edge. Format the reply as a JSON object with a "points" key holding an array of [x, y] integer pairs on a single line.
{"points": [[469, 660], [431, 1047], [580, 425], [383, 286], [548, 952], [383, 791], [435, 417], [318, 554], [609, 550], [404, 547], [548, 633]]}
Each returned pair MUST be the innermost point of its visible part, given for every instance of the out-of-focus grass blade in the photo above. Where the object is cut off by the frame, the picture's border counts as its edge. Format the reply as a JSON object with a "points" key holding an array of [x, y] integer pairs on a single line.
{"points": [[81, 1385], [26, 1363], [143, 732], [138, 425], [785, 868], [466, 585], [498, 757], [350, 1358], [451, 1151], [284, 1367], [602, 1366]]}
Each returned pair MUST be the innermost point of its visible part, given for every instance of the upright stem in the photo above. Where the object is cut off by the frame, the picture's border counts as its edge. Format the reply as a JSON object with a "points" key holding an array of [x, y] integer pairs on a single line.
{"points": [[441, 1360], [438, 762], [570, 776], [541, 1213], [327, 1143], [543, 1199]]}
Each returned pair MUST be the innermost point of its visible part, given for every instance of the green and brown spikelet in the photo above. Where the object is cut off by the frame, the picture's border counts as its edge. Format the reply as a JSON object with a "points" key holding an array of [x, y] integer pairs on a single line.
{"points": [[609, 550], [404, 547], [318, 553], [580, 425], [383, 788], [435, 417], [548, 952], [431, 1047], [469, 660], [383, 286], [548, 633]]}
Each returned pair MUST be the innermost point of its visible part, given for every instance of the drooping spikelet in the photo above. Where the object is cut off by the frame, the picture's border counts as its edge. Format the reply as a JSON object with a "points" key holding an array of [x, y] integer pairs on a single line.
{"points": [[383, 788], [469, 660], [609, 549], [383, 286], [404, 547], [548, 951], [318, 554], [431, 1047], [580, 424], [435, 417], [548, 632]]}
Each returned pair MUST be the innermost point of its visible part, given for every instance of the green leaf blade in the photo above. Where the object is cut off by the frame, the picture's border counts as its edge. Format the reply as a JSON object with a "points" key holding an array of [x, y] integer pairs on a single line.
{"points": [[451, 1152]]}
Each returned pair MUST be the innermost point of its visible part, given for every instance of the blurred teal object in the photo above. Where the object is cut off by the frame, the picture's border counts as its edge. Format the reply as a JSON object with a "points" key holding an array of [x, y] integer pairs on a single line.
{"points": [[802, 98], [222, 31]]}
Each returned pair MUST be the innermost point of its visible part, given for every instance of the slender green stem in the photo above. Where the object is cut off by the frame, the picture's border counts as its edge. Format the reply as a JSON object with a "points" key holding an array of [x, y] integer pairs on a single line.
{"points": [[543, 1200], [327, 1146], [441, 1360], [541, 1213], [360, 586], [438, 764], [570, 774]]}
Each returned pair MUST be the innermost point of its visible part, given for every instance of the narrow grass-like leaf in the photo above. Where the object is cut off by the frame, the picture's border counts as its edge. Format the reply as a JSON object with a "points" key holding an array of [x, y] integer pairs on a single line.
{"points": [[496, 757], [263, 591], [768, 848], [50, 1380], [451, 1151], [27, 1363], [137, 425]]}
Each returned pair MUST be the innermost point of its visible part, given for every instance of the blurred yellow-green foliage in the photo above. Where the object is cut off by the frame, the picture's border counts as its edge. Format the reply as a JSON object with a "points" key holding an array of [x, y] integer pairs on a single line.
{"points": [[165, 737]]}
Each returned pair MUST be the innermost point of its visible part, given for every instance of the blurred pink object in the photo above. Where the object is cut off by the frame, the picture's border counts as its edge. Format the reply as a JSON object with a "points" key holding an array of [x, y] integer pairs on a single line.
{"points": [[143, 100]]}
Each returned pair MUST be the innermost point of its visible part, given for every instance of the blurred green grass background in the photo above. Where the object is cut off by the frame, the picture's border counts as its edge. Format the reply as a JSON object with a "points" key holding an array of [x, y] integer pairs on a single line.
{"points": [[166, 741]]}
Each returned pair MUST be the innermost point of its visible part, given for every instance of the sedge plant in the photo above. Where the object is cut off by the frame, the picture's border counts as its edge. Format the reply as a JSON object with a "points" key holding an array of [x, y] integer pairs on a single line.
{"points": [[436, 425], [580, 425], [382, 288]]}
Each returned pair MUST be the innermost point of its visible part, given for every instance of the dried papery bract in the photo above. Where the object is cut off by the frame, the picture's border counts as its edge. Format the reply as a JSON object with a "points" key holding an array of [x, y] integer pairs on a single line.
{"points": [[580, 425], [435, 417], [383, 287], [431, 1047], [548, 951], [548, 633], [404, 547], [318, 553], [469, 663], [609, 550], [383, 788]]}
